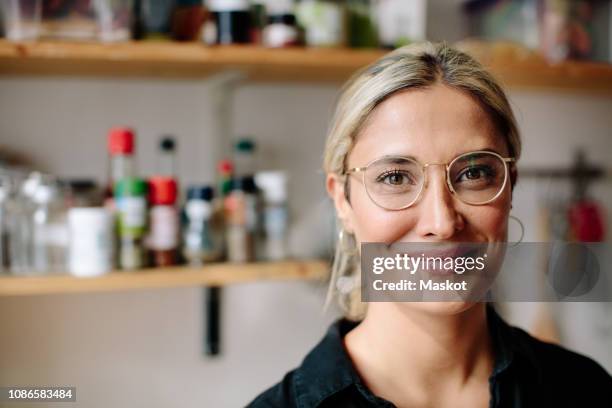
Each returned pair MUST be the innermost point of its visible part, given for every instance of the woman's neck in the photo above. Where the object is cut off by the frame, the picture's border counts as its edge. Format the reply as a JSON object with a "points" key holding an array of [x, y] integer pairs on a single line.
{"points": [[398, 347]]}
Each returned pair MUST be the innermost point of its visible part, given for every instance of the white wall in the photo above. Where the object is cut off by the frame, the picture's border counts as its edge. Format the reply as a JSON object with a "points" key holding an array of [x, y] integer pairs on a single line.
{"points": [[143, 348]]}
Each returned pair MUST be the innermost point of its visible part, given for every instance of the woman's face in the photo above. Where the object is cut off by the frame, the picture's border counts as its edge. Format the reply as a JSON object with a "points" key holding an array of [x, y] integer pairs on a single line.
{"points": [[434, 125]]}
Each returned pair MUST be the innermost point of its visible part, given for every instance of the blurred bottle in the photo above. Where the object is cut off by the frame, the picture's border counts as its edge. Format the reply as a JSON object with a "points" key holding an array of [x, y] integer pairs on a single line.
{"points": [[242, 206], [225, 174], [5, 194], [232, 20], [200, 240], [114, 19], [187, 19], [361, 27], [244, 157], [281, 31], [151, 19], [164, 222], [258, 21], [137, 25], [401, 22], [323, 21], [225, 171], [567, 29], [166, 164], [121, 142], [20, 211], [280, 28], [21, 19], [49, 229], [253, 206], [131, 204], [241, 220], [273, 184]]}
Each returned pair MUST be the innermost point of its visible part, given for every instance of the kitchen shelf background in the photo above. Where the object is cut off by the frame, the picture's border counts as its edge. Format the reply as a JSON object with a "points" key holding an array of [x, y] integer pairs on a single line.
{"points": [[216, 274], [517, 69], [146, 344]]}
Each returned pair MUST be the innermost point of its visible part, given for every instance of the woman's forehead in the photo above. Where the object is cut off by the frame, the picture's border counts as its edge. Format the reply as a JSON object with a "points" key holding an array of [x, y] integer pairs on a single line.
{"points": [[432, 124]]}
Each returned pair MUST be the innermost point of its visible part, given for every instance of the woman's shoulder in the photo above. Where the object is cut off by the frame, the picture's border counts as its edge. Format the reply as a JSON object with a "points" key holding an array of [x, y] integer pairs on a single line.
{"points": [[553, 356], [281, 394], [325, 375], [570, 374]]}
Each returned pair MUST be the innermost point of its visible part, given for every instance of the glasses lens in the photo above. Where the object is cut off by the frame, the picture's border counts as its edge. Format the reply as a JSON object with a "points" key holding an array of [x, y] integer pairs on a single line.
{"points": [[394, 182], [477, 177]]}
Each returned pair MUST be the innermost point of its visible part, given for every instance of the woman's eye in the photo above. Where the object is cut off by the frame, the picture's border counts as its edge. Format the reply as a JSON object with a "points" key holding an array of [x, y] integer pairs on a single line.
{"points": [[394, 178], [475, 174]]}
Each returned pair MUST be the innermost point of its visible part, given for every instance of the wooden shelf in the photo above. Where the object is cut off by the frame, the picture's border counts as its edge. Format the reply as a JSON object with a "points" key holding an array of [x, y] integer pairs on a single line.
{"points": [[179, 60], [515, 67], [520, 68], [210, 275]]}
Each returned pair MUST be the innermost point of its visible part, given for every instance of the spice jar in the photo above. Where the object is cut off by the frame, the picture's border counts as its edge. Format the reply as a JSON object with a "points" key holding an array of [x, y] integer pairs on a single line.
{"points": [[281, 31], [131, 204], [164, 224]]}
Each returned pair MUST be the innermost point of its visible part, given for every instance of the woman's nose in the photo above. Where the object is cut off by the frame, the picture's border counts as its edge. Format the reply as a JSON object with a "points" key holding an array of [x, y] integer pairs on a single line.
{"points": [[437, 213]]}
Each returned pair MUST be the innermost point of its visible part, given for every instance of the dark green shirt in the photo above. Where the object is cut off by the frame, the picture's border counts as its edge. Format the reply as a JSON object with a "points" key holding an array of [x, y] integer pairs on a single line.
{"points": [[527, 373]]}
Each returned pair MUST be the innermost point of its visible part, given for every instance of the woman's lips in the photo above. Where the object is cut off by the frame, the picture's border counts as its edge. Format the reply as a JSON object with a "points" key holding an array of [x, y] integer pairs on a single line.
{"points": [[452, 252]]}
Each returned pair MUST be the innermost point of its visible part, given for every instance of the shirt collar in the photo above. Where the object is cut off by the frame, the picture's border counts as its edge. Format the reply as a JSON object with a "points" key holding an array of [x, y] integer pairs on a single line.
{"points": [[511, 345], [502, 338], [328, 369]]}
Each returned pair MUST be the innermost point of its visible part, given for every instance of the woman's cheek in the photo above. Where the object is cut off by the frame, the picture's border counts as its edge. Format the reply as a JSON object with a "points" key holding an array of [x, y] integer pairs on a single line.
{"points": [[375, 224], [490, 222]]}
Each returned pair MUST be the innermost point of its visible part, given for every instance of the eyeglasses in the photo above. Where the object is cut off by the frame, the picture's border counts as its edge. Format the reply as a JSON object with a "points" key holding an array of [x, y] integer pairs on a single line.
{"points": [[396, 182]]}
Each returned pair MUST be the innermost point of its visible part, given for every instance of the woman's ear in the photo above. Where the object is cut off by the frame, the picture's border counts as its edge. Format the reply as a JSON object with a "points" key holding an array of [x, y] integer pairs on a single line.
{"points": [[513, 180], [335, 190], [513, 176]]}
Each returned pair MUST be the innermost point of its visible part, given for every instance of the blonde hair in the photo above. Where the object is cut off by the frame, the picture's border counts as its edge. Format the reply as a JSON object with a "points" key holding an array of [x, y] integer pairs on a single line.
{"points": [[413, 66]]}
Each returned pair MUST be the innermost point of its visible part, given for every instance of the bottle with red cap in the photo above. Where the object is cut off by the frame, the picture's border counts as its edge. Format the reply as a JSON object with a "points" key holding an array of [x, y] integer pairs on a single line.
{"points": [[163, 239], [121, 153]]}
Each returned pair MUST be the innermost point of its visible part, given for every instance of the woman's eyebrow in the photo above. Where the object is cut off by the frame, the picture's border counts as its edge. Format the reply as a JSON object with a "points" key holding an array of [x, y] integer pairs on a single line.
{"points": [[399, 158], [484, 149]]}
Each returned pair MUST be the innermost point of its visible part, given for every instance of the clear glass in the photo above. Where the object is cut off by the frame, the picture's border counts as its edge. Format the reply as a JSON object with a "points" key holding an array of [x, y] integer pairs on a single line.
{"points": [[5, 191], [49, 230], [396, 182], [20, 210], [114, 19], [21, 19]]}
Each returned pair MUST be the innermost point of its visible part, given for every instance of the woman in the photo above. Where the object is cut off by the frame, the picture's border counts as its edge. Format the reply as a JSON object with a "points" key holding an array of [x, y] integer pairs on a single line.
{"points": [[427, 104]]}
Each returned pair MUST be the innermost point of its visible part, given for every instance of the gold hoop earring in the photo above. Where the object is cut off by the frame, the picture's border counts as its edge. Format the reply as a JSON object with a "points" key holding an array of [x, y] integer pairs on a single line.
{"points": [[522, 230]]}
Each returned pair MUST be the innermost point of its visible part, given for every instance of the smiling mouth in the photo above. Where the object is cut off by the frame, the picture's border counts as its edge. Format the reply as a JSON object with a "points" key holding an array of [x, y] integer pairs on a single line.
{"points": [[437, 261]]}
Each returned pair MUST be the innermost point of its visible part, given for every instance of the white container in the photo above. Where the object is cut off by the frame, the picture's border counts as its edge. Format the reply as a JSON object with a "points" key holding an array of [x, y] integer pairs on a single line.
{"points": [[91, 241], [401, 22], [324, 22], [275, 214], [21, 19], [281, 31]]}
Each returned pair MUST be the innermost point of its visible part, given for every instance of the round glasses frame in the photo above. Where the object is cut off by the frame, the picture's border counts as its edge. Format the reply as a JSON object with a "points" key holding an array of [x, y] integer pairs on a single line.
{"points": [[423, 167]]}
